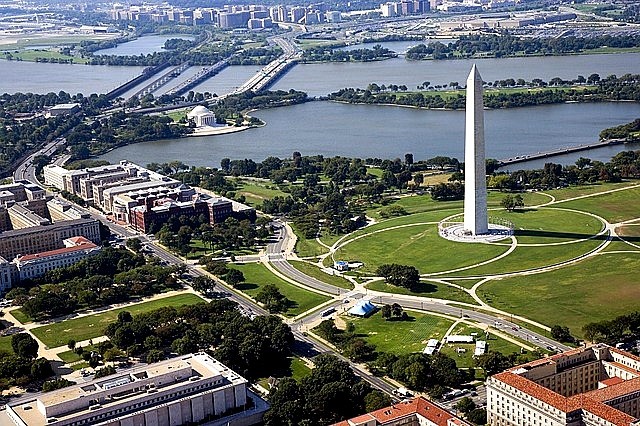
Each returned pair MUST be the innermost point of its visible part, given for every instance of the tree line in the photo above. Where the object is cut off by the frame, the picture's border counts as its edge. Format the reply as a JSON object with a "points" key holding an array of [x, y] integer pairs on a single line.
{"points": [[508, 45], [612, 88], [332, 54]]}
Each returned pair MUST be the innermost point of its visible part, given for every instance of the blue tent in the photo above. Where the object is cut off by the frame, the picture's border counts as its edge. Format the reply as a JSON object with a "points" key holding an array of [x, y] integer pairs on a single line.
{"points": [[363, 308]]}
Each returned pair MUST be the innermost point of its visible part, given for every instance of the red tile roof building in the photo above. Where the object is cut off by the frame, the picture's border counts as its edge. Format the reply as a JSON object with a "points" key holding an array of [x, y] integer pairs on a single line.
{"points": [[419, 411], [598, 385]]}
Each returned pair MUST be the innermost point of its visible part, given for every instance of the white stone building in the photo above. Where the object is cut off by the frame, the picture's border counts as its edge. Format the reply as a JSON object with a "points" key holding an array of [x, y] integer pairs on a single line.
{"points": [[201, 116], [190, 389]]}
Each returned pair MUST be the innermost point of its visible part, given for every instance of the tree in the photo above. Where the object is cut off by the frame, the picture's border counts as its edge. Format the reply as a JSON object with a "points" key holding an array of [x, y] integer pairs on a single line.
{"points": [[561, 333], [376, 400], [41, 369], [234, 277], [492, 362], [399, 275], [273, 300], [386, 311], [72, 344], [134, 244], [396, 310], [511, 203], [466, 405], [203, 284], [24, 345], [478, 416]]}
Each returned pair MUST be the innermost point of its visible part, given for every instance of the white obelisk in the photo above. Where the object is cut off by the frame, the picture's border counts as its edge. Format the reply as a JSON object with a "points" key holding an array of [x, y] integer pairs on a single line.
{"points": [[475, 179]]}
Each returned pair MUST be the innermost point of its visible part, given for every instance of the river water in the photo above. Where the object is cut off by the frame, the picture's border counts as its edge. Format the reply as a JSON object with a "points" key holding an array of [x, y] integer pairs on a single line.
{"points": [[330, 129], [324, 78], [142, 45]]}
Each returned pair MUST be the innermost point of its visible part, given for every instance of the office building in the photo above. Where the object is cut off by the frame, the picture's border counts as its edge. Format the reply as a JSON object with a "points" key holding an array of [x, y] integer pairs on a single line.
{"points": [[593, 386], [34, 265], [418, 412], [190, 389]]}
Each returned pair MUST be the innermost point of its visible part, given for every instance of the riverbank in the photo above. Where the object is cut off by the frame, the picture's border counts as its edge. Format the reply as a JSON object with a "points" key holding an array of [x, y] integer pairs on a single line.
{"points": [[212, 131]]}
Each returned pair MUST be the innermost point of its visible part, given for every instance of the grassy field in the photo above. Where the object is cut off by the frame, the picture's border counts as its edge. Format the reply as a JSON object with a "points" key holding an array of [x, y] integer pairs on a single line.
{"points": [[90, 326], [5, 344], [548, 225], [525, 258], [307, 247], [418, 246], [256, 192], [629, 230], [176, 115], [296, 369], [400, 336], [31, 55], [595, 289], [580, 190], [614, 207], [21, 316], [257, 275], [71, 356], [465, 360], [426, 289], [315, 272]]}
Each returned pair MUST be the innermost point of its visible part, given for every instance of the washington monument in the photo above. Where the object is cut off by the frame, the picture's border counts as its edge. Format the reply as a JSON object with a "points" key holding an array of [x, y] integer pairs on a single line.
{"points": [[475, 183]]}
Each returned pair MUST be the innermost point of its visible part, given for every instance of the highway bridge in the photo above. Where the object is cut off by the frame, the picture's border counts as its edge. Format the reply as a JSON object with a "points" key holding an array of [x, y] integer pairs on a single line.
{"points": [[559, 151], [275, 69], [161, 81], [201, 76]]}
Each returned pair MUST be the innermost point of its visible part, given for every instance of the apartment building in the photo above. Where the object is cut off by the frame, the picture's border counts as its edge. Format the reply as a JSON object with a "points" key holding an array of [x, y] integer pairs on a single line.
{"points": [[597, 385], [190, 389]]}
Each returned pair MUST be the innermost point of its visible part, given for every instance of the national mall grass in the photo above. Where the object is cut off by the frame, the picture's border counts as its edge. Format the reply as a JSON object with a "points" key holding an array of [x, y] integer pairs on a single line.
{"points": [[257, 275], [91, 326]]}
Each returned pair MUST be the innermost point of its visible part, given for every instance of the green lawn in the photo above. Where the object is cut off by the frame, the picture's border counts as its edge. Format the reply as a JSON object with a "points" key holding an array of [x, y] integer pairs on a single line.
{"points": [[315, 272], [307, 247], [549, 225], [257, 275], [629, 230], [21, 316], [71, 356], [580, 190], [91, 326], [465, 360], [592, 290], [525, 258], [614, 207], [31, 55], [176, 115], [296, 369], [418, 246], [5, 344], [425, 289], [80, 366], [256, 192], [400, 337]]}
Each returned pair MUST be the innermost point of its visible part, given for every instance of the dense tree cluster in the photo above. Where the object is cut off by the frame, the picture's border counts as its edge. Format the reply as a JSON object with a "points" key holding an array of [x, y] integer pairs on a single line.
{"points": [[629, 131], [447, 191], [622, 328], [252, 347], [329, 53], [399, 275], [274, 301], [332, 392], [256, 56], [22, 367], [508, 45], [111, 276], [120, 129]]}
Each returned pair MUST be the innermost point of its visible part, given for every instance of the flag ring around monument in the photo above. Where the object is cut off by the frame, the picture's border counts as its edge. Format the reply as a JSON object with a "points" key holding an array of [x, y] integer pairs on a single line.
{"points": [[452, 228]]}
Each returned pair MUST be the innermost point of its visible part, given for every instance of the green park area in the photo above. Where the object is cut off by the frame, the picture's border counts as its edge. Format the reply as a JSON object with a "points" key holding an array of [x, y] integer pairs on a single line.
{"points": [[295, 369], [425, 289], [315, 272], [257, 276], [92, 326], [614, 206], [255, 191], [400, 337], [5, 344], [601, 287], [41, 55], [463, 353]]}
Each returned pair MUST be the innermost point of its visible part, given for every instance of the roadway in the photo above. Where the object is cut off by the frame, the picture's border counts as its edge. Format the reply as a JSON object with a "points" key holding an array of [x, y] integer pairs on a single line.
{"points": [[26, 170]]}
